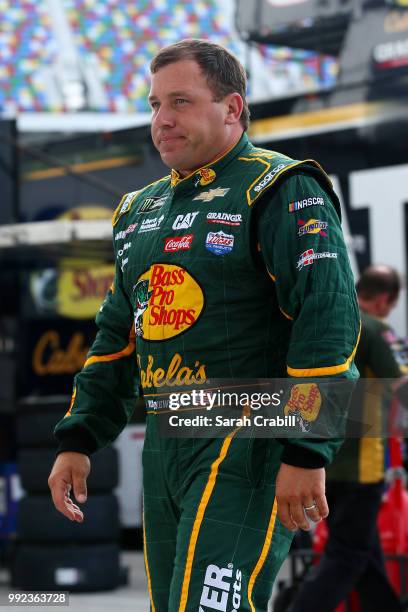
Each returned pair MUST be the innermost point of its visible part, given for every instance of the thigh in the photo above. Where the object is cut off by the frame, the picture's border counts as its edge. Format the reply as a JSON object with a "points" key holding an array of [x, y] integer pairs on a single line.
{"points": [[230, 544]]}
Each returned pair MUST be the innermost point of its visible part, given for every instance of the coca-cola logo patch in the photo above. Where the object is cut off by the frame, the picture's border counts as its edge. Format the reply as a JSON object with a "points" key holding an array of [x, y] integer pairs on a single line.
{"points": [[178, 243], [219, 243]]}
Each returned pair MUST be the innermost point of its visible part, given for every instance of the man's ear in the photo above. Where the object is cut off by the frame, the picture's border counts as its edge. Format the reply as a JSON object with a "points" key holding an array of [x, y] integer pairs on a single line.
{"points": [[234, 106]]}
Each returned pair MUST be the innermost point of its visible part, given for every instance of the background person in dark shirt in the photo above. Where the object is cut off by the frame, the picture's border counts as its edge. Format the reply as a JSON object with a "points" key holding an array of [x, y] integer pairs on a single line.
{"points": [[353, 557]]}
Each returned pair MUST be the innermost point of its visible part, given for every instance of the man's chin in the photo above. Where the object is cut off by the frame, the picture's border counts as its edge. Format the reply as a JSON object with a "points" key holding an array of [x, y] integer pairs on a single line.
{"points": [[172, 161]]}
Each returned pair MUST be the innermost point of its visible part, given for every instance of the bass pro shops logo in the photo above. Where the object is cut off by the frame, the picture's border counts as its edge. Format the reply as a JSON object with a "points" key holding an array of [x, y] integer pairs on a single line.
{"points": [[304, 404], [219, 593], [204, 177], [168, 301]]}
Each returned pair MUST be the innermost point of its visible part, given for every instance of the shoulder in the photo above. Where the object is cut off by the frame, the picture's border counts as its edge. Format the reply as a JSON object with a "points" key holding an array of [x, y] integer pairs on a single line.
{"points": [[134, 199], [379, 352], [265, 170], [377, 331], [372, 326]]}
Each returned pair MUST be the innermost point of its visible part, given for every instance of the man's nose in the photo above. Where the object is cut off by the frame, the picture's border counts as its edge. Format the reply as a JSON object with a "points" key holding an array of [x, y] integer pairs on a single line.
{"points": [[165, 116]]}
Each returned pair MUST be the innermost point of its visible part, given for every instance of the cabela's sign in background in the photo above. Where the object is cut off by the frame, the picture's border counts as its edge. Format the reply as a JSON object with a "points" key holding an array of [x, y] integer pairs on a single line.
{"points": [[54, 350]]}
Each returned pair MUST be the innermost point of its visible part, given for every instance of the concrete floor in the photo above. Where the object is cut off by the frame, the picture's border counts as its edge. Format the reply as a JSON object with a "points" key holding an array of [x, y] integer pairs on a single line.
{"points": [[131, 597]]}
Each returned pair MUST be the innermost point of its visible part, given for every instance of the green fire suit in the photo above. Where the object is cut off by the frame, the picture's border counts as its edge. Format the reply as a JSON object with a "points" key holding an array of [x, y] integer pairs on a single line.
{"points": [[237, 271]]}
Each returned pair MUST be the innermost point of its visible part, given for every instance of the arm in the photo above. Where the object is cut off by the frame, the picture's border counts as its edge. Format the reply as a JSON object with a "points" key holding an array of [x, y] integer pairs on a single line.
{"points": [[317, 294], [106, 388], [102, 402]]}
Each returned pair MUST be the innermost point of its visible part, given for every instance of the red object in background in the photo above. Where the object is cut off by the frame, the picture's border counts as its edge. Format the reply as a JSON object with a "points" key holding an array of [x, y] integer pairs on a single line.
{"points": [[393, 528], [393, 518]]}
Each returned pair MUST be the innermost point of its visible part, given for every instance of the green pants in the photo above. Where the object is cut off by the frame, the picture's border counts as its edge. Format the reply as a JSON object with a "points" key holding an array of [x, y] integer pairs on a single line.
{"points": [[212, 537]]}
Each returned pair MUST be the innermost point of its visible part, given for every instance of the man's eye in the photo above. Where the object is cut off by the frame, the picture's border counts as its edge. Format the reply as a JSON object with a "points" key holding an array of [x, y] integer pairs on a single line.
{"points": [[154, 105], [181, 101]]}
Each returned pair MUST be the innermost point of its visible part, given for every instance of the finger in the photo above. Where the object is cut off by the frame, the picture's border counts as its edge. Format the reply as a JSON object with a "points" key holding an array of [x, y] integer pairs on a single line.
{"points": [[322, 505], [78, 514], [71, 504], [80, 491], [299, 516], [73, 508], [60, 492], [311, 510], [285, 516]]}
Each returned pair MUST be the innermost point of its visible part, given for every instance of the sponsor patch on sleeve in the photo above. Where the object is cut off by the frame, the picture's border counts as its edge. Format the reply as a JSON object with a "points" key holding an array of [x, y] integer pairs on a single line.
{"points": [[308, 257], [312, 226], [304, 403], [305, 203]]}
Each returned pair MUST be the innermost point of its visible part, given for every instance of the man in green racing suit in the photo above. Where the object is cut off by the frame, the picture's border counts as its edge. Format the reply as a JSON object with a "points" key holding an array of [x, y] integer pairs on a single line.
{"points": [[233, 266]]}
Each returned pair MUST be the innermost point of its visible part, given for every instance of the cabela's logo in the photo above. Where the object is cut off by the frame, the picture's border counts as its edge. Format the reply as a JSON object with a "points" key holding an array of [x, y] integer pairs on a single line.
{"points": [[168, 301], [51, 358], [176, 374]]}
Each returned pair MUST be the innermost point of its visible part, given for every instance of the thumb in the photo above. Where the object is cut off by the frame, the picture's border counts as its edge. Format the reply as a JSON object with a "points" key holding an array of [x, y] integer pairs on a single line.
{"points": [[80, 491]]}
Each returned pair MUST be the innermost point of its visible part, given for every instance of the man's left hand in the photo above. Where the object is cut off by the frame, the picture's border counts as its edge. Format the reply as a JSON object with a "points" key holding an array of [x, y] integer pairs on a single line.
{"points": [[300, 493]]}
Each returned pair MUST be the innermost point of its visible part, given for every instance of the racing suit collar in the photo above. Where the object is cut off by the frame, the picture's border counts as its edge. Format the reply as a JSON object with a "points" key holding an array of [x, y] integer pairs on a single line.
{"points": [[207, 174]]}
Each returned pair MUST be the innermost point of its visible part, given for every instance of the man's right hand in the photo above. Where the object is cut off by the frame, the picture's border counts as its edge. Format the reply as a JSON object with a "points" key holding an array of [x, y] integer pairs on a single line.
{"points": [[69, 471]]}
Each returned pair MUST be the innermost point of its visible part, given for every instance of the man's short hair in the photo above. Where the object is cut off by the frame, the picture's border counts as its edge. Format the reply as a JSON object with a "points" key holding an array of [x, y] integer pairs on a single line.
{"points": [[379, 279], [224, 72]]}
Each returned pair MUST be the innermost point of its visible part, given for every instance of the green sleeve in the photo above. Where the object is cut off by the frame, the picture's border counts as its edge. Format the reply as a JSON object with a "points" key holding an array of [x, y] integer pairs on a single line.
{"points": [[303, 248], [106, 389]]}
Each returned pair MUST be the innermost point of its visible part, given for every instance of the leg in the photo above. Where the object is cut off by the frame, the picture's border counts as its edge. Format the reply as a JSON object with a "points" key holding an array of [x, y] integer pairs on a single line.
{"points": [[374, 588], [230, 543], [160, 521]]}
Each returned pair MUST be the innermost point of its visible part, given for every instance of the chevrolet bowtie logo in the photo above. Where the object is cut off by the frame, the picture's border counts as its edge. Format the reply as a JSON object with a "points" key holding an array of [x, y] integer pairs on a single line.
{"points": [[207, 196]]}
